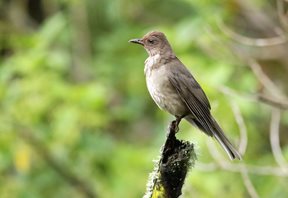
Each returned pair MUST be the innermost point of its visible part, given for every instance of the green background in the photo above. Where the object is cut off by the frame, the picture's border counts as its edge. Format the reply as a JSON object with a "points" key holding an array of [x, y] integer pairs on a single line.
{"points": [[76, 118]]}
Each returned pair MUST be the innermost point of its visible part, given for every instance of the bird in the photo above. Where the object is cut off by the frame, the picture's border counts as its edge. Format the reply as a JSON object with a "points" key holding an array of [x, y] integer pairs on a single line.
{"points": [[174, 89]]}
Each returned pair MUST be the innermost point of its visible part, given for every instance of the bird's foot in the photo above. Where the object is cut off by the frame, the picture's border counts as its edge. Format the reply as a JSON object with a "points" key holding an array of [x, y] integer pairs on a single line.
{"points": [[175, 124]]}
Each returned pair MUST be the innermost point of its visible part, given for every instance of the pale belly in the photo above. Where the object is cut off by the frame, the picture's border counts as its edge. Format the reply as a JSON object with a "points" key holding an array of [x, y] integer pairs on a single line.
{"points": [[163, 94]]}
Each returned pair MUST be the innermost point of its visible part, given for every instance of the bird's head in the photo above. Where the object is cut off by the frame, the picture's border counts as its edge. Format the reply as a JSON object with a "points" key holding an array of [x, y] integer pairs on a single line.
{"points": [[154, 43]]}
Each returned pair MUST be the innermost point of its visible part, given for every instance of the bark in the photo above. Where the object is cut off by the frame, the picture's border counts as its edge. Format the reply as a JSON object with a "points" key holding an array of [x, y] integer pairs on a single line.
{"points": [[170, 171]]}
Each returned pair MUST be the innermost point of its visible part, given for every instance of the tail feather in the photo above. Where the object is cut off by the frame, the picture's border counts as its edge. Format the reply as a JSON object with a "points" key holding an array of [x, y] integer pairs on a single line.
{"points": [[226, 145], [219, 135]]}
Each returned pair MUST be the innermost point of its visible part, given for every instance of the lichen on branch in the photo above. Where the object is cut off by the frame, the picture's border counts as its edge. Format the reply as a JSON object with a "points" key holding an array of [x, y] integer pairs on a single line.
{"points": [[170, 170]]}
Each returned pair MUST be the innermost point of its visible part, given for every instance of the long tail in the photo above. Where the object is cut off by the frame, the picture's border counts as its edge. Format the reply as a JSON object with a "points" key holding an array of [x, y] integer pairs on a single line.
{"points": [[215, 131]]}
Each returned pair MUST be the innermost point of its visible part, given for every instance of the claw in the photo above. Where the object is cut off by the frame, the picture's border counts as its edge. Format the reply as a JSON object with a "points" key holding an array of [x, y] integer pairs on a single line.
{"points": [[175, 124]]}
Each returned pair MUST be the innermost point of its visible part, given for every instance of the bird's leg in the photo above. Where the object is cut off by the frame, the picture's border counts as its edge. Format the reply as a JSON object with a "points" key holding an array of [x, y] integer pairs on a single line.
{"points": [[175, 123]]}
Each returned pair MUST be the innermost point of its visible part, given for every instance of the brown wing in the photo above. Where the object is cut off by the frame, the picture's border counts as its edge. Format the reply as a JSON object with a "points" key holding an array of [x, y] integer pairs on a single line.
{"points": [[183, 77], [192, 95]]}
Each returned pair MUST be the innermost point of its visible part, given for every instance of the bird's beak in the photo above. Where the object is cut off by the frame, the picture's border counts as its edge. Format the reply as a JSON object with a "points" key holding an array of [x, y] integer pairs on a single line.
{"points": [[137, 41]]}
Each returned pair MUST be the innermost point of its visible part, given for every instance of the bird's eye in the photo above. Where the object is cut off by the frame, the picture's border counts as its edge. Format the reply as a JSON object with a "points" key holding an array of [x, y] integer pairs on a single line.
{"points": [[151, 41]]}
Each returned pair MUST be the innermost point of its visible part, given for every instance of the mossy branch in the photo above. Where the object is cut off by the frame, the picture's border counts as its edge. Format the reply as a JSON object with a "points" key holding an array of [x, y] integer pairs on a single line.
{"points": [[170, 171]]}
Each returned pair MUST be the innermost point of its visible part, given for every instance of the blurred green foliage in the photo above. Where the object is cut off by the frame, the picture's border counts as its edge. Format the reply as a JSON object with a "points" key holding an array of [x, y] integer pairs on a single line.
{"points": [[69, 78]]}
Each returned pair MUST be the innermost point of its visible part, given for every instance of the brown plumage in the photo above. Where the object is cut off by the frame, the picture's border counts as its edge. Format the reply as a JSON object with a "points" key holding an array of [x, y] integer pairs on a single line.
{"points": [[175, 90]]}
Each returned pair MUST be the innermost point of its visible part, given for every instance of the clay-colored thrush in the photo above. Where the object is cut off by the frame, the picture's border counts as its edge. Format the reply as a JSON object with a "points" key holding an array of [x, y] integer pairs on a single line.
{"points": [[175, 90]]}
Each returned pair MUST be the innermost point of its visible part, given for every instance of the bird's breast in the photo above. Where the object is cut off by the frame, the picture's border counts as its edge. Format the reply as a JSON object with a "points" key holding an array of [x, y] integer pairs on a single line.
{"points": [[162, 92], [157, 81]]}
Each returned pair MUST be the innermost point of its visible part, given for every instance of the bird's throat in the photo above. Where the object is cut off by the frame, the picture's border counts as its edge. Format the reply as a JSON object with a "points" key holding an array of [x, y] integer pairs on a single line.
{"points": [[152, 62]]}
